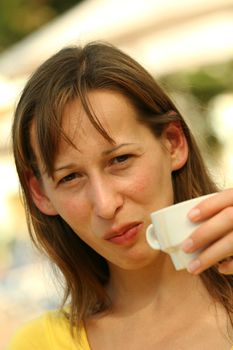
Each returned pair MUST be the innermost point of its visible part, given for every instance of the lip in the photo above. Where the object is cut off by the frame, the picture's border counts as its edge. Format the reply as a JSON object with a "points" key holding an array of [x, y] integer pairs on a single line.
{"points": [[123, 234]]}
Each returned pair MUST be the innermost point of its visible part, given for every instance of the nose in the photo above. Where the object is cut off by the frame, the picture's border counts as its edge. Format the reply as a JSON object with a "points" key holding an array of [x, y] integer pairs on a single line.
{"points": [[106, 197]]}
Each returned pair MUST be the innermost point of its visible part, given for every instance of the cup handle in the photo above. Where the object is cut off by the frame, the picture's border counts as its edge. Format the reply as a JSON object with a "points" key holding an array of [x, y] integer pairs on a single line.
{"points": [[151, 238]]}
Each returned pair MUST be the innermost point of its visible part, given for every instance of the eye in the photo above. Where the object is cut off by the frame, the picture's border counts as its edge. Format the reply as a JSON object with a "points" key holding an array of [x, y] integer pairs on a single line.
{"points": [[70, 177], [121, 159]]}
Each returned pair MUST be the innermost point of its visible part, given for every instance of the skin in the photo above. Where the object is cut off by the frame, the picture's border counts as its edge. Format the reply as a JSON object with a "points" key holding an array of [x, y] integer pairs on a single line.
{"points": [[101, 186]]}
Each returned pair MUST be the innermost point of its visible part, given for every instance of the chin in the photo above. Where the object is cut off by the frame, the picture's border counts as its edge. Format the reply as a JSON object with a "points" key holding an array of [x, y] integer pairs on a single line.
{"points": [[137, 259]]}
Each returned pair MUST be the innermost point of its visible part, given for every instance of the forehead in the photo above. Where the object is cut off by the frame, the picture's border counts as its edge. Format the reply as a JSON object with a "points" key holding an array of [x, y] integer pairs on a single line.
{"points": [[113, 111], [116, 114]]}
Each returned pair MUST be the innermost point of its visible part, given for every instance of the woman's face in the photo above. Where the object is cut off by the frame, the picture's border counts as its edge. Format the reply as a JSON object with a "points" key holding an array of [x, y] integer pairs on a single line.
{"points": [[105, 191]]}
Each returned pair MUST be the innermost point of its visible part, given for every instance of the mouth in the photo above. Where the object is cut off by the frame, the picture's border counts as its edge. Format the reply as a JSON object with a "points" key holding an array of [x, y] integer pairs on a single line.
{"points": [[124, 234]]}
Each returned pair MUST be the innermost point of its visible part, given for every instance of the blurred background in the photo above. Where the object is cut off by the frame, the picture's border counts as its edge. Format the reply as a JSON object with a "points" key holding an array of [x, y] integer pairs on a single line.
{"points": [[186, 45]]}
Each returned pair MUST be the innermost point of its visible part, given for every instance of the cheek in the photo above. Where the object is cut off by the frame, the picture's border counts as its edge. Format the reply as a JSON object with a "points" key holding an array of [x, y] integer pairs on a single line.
{"points": [[152, 184], [74, 211], [149, 179], [141, 183], [142, 178]]}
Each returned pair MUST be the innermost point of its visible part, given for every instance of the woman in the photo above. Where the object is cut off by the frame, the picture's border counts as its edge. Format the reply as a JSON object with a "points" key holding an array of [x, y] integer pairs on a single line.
{"points": [[98, 146]]}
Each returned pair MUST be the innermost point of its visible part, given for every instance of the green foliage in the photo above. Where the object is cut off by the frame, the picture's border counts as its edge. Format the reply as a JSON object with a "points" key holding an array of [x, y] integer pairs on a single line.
{"points": [[19, 18], [203, 83]]}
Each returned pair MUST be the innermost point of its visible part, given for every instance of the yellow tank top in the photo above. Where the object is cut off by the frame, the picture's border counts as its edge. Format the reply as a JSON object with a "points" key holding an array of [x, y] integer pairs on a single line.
{"points": [[49, 331]]}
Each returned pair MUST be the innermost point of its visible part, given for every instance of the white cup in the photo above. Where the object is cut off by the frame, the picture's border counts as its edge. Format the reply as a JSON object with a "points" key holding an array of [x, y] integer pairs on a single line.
{"points": [[170, 227]]}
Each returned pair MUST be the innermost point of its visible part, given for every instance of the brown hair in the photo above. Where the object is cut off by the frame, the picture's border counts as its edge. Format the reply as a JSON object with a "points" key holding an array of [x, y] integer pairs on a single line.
{"points": [[70, 74]]}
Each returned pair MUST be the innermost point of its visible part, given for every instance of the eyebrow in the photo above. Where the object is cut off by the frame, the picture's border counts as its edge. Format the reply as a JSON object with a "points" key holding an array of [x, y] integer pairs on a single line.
{"points": [[114, 149], [104, 153]]}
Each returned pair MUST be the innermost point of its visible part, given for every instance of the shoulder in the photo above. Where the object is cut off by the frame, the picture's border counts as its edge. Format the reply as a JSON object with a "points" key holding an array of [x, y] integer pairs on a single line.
{"points": [[49, 331]]}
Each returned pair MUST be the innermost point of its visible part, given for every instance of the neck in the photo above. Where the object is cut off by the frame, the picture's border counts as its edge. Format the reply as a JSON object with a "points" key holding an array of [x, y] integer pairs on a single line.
{"points": [[158, 284]]}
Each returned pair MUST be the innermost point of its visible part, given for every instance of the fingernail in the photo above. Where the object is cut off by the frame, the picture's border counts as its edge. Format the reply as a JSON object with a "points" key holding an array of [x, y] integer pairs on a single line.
{"points": [[194, 214], [194, 265], [187, 245]]}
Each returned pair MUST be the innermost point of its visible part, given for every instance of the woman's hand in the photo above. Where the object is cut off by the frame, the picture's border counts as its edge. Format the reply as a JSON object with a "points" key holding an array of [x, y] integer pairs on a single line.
{"points": [[214, 236]]}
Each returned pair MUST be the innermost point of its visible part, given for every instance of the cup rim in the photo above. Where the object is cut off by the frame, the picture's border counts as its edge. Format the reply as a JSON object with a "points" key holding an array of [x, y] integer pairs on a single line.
{"points": [[180, 204]]}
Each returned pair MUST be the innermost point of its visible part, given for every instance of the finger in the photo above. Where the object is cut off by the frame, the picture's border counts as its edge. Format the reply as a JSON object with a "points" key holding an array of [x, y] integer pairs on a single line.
{"points": [[226, 267], [211, 205], [212, 255], [210, 231]]}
